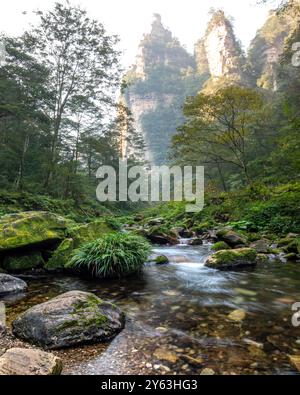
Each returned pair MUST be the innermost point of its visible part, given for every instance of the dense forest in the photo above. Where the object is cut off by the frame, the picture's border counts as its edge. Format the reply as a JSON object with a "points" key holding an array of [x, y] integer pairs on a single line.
{"points": [[149, 288]]}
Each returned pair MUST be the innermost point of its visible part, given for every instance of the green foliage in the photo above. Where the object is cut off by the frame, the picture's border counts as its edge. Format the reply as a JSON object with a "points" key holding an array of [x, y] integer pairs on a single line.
{"points": [[84, 211], [114, 255], [114, 223]]}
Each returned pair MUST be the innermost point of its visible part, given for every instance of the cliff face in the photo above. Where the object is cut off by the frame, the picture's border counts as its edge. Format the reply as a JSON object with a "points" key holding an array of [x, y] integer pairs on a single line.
{"points": [[165, 74], [157, 86], [220, 54], [269, 43]]}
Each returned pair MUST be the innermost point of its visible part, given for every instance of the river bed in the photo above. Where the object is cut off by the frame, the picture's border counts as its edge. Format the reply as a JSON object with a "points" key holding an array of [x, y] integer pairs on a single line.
{"points": [[177, 317]]}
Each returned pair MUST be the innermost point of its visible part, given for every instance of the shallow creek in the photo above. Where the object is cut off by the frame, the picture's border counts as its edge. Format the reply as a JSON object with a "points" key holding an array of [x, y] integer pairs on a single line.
{"points": [[177, 318]]}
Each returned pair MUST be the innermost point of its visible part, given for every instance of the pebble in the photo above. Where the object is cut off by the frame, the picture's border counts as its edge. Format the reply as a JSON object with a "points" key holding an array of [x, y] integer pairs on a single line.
{"points": [[237, 315], [207, 372], [245, 292]]}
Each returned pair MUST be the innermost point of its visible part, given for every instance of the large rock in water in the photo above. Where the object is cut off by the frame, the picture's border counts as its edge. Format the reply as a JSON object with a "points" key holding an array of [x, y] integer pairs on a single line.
{"points": [[28, 362], [230, 237], [68, 320], [231, 259], [11, 285], [30, 229]]}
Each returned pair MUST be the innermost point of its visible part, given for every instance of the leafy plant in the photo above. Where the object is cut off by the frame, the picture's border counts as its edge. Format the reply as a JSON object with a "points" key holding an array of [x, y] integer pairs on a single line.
{"points": [[114, 255], [114, 223]]}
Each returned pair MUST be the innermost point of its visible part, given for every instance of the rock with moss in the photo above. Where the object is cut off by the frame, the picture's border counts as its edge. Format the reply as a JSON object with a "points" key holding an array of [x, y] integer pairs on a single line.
{"points": [[233, 239], [20, 262], [82, 234], [232, 259], [159, 235], [261, 246], [293, 247], [61, 255], [161, 260], [70, 319], [221, 245], [30, 229]]}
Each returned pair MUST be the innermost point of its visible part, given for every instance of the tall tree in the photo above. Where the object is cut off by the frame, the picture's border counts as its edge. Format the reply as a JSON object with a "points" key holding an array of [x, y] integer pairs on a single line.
{"points": [[219, 130], [82, 61]]}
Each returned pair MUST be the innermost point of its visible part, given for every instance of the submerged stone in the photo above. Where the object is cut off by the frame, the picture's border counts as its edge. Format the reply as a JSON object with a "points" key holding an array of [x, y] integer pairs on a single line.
{"points": [[237, 315], [166, 355], [68, 320]]}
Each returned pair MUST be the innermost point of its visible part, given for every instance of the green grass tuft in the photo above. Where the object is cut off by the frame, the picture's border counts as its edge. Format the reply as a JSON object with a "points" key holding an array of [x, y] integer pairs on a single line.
{"points": [[114, 255]]}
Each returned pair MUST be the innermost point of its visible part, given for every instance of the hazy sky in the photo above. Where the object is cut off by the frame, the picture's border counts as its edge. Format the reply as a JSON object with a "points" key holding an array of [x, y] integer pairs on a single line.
{"points": [[131, 18]]}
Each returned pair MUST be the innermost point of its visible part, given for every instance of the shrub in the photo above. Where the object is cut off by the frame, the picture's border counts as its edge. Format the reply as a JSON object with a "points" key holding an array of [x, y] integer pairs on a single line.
{"points": [[114, 255], [114, 223]]}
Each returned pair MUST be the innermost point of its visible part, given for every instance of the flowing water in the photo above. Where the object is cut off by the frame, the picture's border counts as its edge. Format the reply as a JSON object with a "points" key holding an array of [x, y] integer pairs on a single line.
{"points": [[177, 318]]}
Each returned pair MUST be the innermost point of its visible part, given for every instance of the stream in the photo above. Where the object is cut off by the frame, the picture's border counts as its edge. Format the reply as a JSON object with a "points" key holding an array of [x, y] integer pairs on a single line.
{"points": [[177, 317]]}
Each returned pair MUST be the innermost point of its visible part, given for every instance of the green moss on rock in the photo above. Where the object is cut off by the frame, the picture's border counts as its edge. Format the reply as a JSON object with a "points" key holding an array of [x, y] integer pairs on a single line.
{"points": [[161, 260], [19, 262], [82, 234], [61, 256], [30, 229], [230, 259], [221, 245]]}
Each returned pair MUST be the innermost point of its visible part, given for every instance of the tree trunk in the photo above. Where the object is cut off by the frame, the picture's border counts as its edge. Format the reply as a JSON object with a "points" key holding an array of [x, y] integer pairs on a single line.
{"points": [[19, 178]]}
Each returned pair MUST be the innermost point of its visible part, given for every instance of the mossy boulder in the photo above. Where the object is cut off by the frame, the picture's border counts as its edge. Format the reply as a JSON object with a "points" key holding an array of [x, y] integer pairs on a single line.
{"points": [[221, 245], [80, 234], [70, 319], [20, 262], [158, 235], [261, 246], [233, 239], [292, 247], [231, 259], [30, 229], [61, 255], [161, 260]]}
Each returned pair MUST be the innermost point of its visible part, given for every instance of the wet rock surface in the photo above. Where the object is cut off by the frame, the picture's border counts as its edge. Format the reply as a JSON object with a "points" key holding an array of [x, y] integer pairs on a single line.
{"points": [[11, 285], [70, 319], [28, 362]]}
